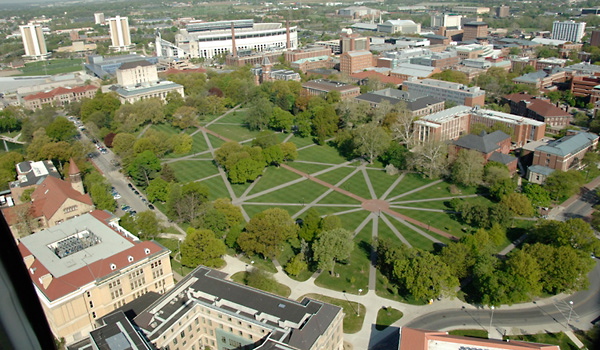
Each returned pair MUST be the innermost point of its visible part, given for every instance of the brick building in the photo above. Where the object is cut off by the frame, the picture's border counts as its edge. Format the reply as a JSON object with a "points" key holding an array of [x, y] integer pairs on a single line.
{"points": [[355, 61], [321, 87], [295, 55], [492, 147], [563, 154], [454, 92], [586, 86], [59, 97], [417, 104], [539, 109], [474, 30], [354, 42]]}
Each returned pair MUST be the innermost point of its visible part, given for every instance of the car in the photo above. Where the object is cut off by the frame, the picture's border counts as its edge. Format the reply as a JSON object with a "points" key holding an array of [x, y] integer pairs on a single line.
{"points": [[125, 207], [103, 150], [116, 196], [144, 200], [132, 212], [136, 192], [150, 206], [130, 185]]}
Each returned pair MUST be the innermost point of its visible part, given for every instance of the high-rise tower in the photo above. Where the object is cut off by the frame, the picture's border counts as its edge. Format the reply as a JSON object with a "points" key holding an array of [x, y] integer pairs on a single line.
{"points": [[34, 42], [119, 33]]}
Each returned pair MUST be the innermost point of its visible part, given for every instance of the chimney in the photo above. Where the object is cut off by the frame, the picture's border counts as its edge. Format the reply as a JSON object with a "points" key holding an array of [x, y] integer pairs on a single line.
{"points": [[29, 259], [288, 43], [45, 280], [233, 47]]}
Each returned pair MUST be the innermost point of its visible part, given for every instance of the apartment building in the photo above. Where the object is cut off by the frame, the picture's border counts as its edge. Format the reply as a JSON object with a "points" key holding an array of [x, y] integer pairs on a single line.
{"points": [[563, 154], [321, 87], [355, 61], [447, 91], [87, 267], [353, 42], [568, 30], [34, 42], [120, 36]]}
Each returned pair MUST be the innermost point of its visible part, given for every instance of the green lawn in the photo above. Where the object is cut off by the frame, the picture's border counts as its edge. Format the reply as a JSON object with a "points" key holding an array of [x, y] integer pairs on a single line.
{"points": [[336, 197], [165, 128], [275, 287], [273, 176], [252, 210], [215, 141], [190, 170], [216, 188], [386, 316], [233, 132], [301, 141], [236, 117], [322, 154], [350, 221], [381, 181], [352, 320], [198, 145], [441, 189], [239, 189], [441, 204], [559, 339], [258, 262], [387, 290], [408, 183], [475, 333], [357, 185], [302, 192], [414, 238], [336, 175], [442, 221], [17, 147], [51, 67], [308, 168], [353, 274]]}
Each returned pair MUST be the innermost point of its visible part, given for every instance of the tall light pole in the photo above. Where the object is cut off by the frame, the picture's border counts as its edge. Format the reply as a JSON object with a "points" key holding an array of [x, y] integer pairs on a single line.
{"points": [[570, 312], [491, 320], [358, 304]]}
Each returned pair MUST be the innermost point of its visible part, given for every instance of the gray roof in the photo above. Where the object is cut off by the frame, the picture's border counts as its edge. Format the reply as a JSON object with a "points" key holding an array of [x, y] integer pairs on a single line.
{"points": [[447, 113], [110, 244], [569, 144], [413, 104], [34, 173], [502, 158], [117, 334], [485, 143], [540, 169], [133, 91], [135, 64]]}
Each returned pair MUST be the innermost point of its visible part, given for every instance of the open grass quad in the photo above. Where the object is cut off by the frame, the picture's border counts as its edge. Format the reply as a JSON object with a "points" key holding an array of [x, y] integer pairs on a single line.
{"points": [[405, 208]]}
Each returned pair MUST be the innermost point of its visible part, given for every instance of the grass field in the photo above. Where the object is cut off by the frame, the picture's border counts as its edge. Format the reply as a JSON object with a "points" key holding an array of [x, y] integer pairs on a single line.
{"points": [[414, 238], [301, 141], [336, 175], [386, 316], [165, 128], [236, 117], [441, 189], [357, 185], [442, 221], [215, 141], [255, 209], [272, 287], [475, 333], [308, 168], [410, 182], [322, 154], [51, 67], [273, 177], [335, 197], [302, 192], [559, 339], [190, 170], [233, 132], [381, 181], [216, 188], [16, 147]]}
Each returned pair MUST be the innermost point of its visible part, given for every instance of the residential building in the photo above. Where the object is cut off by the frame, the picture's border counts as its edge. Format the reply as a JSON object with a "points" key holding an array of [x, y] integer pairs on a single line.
{"points": [[454, 122], [357, 12], [595, 38], [471, 9], [265, 73], [99, 18], [34, 42], [539, 109], [563, 154], [586, 86], [413, 71], [87, 267], [503, 11], [355, 61], [404, 26], [417, 104], [545, 79], [354, 42], [447, 91], [31, 174], [494, 147], [138, 80], [419, 339], [206, 310], [448, 20], [209, 39], [568, 30], [334, 45], [322, 87], [474, 30], [59, 97], [120, 36]]}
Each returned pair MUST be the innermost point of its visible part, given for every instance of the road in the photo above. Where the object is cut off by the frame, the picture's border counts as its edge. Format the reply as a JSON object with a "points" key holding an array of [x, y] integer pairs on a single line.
{"points": [[580, 208], [551, 314]]}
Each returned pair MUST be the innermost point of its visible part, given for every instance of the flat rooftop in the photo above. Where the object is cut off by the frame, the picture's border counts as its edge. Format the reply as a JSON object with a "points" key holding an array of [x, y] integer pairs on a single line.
{"points": [[447, 114]]}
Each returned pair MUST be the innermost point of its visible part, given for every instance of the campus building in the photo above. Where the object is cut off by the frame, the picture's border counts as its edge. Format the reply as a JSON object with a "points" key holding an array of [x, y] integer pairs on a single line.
{"points": [[474, 30], [30, 175], [34, 42], [120, 36], [355, 61], [493, 147], [404, 26], [448, 20], [539, 109], [265, 73], [321, 87], [138, 80], [563, 154], [447, 91], [87, 267], [59, 97], [209, 39], [568, 30], [417, 104]]}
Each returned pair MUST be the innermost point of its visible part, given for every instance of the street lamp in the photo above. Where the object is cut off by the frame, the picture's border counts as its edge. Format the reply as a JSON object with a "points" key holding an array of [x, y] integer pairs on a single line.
{"points": [[570, 312], [491, 319], [358, 304]]}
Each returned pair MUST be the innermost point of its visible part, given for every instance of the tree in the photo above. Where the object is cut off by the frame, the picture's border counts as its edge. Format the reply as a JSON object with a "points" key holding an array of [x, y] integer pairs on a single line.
{"points": [[331, 246], [273, 155], [459, 259], [123, 144], [201, 247], [265, 139], [289, 150], [522, 274], [452, 76], [467, 169], [371, 141], [574, 233], [518, 203], [184, 117], [281, 120], [396, 155], [61, 129], [181, 143], [99, 189], [537, 194], [147, 224], [233, 214], [144, 168], [158, 190], [259, 114], [266, 231], [324, 123], [296, 265], [245, 170], [424, 275], [430, 158], [310, 225], [562, 184]]}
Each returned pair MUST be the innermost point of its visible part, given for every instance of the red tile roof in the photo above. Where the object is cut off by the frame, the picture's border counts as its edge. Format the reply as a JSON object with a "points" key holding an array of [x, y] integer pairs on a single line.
{"points": [[419, 339], [175, 71], [59, 91], [51, 194], [381, 77], [546, 109], [61, 286], [73, 168], [518, 97]]}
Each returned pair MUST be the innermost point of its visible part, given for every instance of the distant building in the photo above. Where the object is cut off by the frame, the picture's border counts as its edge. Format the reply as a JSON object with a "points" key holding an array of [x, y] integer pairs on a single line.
{"points": [[448, 20], [99, 18], [87, 267], [138, 80], [355, 61], [563, 154], [441, 60], [408, 70], [322, 87], [34, 42], [357, 12], [119, 34], [31, 174], [474, 30], [417, 104], [549, 63], [543, 79], [568, 30], [354, 42], [405, 26], [264, 73], [595, 38], [249, 57], [59, 97], [103, 67], [447, 91], [503, 11], [586, 86], [538, 109], [471, 9], [419, 339], [590, 11], [311, 52]]}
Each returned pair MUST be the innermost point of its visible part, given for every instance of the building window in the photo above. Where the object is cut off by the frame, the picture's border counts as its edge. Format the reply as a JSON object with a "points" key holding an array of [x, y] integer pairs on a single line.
{"points": [[93, 314], [91, 304]]}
